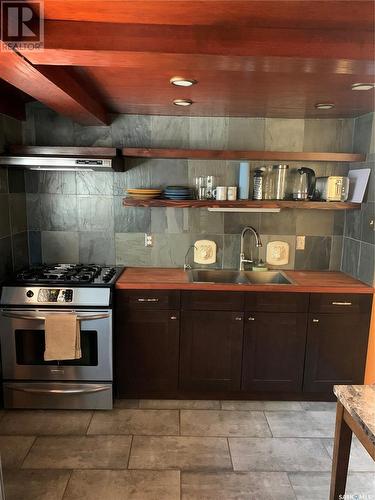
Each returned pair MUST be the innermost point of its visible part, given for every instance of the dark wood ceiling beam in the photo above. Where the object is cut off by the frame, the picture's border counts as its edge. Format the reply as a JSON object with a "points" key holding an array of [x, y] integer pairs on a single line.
{"points": [[211, 40], [199, 62], [54, 87]]}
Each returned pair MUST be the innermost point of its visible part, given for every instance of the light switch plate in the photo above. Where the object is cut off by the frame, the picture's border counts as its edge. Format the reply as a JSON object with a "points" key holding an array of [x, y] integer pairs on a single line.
{"points": [[205, 252], [300, 243]]}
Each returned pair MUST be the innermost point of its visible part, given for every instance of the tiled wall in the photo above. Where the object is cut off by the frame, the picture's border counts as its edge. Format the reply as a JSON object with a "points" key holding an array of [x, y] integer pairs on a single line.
{"points": [[358, 249], [79, 217], [13, 223]]}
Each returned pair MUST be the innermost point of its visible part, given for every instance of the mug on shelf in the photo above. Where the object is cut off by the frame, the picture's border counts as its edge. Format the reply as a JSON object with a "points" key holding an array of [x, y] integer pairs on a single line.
{"points": [[220, 193], [232, 193]]}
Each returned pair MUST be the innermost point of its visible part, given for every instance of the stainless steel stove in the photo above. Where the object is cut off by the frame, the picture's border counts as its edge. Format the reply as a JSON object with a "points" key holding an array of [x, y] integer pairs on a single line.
{"points": [[28, 380]]}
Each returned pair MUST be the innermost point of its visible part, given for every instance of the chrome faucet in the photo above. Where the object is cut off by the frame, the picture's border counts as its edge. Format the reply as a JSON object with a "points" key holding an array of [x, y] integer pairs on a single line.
{"points": [[187, 266], [257, 242]]}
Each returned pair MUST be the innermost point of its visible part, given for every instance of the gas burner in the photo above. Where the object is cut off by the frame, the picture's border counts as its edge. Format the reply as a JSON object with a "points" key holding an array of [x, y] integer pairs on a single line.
{"points": [[67, 274]]}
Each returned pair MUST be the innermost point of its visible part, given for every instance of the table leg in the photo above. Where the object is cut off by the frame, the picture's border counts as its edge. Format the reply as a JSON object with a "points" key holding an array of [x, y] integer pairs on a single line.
{"points": [[341, 452]]}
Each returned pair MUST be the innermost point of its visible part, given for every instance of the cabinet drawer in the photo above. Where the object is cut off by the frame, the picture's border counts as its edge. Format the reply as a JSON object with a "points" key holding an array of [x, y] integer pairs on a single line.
{"points": [[212, 301], [340, 302], [148, 299], [277, 302]]}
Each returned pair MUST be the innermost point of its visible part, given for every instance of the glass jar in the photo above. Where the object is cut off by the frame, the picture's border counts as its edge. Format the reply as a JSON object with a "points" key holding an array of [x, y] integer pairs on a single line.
{"points": [[267, 183], [280, 179]]}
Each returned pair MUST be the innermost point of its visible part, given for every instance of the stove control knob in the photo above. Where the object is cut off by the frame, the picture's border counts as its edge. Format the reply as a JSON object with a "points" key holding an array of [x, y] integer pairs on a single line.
{"points": [[30, 293]]}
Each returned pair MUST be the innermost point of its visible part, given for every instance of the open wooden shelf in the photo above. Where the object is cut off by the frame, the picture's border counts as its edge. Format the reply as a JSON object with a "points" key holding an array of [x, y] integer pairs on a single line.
{"points": [[212, 154], [202, 154], [314, 205]]}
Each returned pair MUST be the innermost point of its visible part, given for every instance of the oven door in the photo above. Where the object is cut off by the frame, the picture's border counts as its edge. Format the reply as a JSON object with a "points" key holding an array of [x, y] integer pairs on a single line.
{"points": [[23, 341]]}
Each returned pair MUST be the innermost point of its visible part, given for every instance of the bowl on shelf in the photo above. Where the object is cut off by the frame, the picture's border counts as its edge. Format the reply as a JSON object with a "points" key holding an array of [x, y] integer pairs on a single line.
{"points": [[144, 194], [178, 193]]}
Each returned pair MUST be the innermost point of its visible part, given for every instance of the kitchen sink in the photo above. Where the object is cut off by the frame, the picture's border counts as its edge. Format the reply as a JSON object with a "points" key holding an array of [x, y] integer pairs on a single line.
{"points": [[238, 277], [267, 278], [217, 276]]}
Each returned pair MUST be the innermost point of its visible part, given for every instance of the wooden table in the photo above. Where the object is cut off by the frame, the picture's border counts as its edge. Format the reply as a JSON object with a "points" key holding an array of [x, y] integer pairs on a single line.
{"points": [[355, 413]]}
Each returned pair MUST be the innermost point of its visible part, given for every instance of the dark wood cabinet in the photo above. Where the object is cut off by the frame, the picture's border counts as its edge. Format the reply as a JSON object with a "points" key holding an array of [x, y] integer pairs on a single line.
{"points": [[273, 353], [173, 343], [147, 351], [211, 350], [336, 350]]}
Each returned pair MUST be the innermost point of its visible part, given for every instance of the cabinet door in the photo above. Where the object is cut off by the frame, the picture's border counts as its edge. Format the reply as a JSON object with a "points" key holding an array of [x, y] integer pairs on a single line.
{"points": [[146, 352], [211, 350], [336, 350], [274, 351]]}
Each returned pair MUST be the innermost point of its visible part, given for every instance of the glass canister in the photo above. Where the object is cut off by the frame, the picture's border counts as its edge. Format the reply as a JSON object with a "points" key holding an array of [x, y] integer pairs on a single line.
{"points": [[280, 179], [267, 183], [210, 184]]}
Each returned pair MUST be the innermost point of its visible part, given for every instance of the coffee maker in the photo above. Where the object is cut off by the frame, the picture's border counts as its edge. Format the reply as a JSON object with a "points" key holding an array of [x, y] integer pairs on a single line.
{"points": [[304, 184]]}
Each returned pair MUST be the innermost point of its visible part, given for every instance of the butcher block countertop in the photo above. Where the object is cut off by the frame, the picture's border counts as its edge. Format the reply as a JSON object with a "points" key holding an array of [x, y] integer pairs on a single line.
{"points": [[156, 278]]}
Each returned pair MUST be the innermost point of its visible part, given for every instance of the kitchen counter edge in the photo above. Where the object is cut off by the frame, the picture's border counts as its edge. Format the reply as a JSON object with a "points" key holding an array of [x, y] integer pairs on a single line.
{"points": [[153, 278]]}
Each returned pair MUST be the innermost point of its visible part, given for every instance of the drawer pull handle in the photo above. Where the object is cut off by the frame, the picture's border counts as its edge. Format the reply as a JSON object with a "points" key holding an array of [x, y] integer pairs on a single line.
{"points": [[148, 300], [251, 318], [238, 318], [315, 320], [341, 303], [173, 317]]}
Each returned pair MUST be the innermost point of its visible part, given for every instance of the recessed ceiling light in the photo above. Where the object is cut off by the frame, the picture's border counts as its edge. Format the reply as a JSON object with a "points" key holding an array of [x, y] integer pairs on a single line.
{"points": [[182, 82], [324, 105], [363, 86], [182, 102]]}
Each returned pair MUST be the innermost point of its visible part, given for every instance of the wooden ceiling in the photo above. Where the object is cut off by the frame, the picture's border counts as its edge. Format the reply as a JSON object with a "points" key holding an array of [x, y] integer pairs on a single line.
{"points": [[250, 58]]}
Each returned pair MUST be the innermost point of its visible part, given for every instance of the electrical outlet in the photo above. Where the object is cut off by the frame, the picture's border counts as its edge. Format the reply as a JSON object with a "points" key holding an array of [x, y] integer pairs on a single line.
{"points": [[149, 240], [300, 243]]}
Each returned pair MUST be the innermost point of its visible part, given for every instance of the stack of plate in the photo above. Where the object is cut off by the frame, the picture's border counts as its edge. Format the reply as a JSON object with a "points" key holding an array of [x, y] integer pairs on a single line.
{"points": [[178, 193], [145, 194]]}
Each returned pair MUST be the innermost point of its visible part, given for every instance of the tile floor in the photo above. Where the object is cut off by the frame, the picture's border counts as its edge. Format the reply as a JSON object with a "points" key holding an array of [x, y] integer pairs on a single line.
{"points": [[169, 450]]}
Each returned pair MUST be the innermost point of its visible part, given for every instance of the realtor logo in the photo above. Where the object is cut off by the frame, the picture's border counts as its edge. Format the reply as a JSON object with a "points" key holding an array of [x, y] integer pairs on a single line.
{"points": [[22, 25]]}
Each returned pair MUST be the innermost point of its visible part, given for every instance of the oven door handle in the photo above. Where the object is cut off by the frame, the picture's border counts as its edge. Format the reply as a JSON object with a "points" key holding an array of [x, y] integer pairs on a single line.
{"points": [[42, 318], [77, 390]]}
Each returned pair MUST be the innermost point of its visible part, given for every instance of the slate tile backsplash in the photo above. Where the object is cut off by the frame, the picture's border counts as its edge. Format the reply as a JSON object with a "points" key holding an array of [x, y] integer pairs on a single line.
{"points": [[316, 254], [359, 236], [14, 252], [80, 216]]}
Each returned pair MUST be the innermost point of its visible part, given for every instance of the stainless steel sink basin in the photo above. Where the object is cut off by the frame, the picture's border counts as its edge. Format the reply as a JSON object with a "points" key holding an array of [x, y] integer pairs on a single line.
{"points": [[267, 278], [217, 276], [238, 277]]}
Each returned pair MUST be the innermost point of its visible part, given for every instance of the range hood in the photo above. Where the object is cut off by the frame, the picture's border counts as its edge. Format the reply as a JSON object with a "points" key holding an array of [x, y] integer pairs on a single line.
{"points": [[63, 158]]}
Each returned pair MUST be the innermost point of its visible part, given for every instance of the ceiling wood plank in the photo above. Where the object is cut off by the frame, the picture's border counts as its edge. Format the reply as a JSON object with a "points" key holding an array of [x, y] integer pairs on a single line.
{"points": [[211, 40], [266, 92], [54, 87], [332, 14]]}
